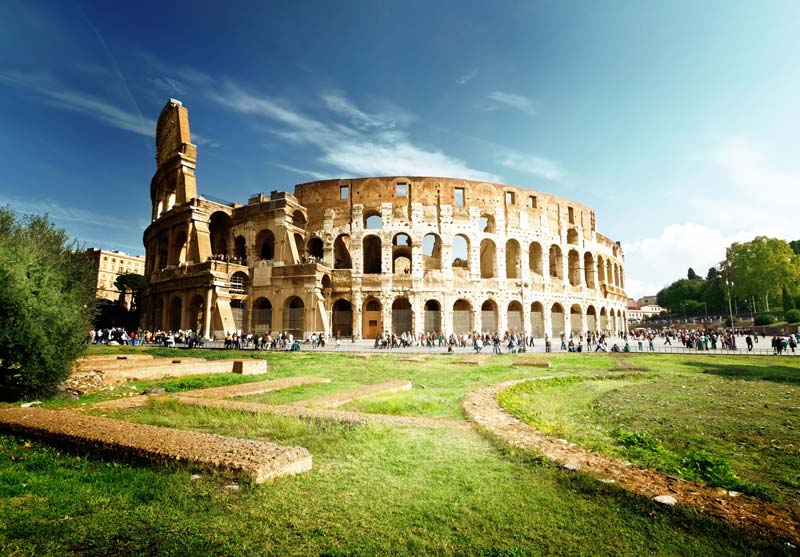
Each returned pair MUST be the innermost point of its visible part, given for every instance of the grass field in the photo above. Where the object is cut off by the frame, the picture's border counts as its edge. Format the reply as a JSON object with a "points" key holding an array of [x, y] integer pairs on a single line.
{"points": [[399, 490]]}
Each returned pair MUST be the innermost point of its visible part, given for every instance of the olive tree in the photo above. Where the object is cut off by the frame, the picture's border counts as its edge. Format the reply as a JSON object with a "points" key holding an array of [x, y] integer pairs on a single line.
{"points": [[47, 291]]}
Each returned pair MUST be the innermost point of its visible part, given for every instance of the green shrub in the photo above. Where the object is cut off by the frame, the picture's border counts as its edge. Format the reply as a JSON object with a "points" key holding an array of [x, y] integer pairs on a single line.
{"points": [[792, 316], [765, 319], [636, 439]]}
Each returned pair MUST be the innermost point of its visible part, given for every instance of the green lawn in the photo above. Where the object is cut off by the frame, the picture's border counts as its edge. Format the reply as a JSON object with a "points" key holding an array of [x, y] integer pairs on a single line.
{"points": [[396, 490]]}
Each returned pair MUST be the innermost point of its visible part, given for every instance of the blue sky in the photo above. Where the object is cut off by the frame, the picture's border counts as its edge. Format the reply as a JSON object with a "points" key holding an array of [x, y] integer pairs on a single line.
{"points": [[676, 121]]}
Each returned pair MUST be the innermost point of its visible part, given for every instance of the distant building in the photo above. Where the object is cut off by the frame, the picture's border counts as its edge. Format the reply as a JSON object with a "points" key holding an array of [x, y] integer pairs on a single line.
{"points": [[649, 300], [643, 308], [110, 265]]}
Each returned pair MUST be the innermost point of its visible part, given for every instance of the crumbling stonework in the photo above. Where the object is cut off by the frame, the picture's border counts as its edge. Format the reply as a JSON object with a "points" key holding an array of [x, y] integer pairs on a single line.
{"points": [[360, 257]]}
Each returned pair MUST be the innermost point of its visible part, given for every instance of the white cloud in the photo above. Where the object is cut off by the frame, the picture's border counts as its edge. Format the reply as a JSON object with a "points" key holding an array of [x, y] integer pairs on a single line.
{"points": [[54, 93], [469, 76], [368, 144], [60, 214], [519, 102], [313, 174], [536, 166]]}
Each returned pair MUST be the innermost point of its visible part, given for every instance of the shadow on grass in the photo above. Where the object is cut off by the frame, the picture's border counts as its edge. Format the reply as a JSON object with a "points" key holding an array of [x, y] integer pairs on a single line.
{"points": [[775, 373]]}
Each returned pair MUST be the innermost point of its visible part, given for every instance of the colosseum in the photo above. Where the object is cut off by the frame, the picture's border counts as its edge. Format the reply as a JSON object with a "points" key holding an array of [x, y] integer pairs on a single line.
{"points": [[363, 256]]}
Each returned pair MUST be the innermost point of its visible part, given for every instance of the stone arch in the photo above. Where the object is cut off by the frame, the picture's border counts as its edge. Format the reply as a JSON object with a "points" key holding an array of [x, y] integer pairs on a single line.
{"points": [[486, 223], [175, 313], [179, 245], [516, 324], [601, 270], [588, 270], [556, 320], [197, 312], [603, 319], [341, 252], [265, 243], [239, 283], [576, 319], [238, 309], [460, 252], [372, 320], [402, 316], [219, 228], [462, 316], [262, 316], [556, 262], [591, 319], [574, 263], [240, 248], [488, 259], [431, 252], [299, 219], [314, 248], [433, 316], [537, 320], [373, 220], [371, 252], [572, 236], [513, 260], [401, 254], [489, 316], [342, 318], [294, 316], [535, 258]]}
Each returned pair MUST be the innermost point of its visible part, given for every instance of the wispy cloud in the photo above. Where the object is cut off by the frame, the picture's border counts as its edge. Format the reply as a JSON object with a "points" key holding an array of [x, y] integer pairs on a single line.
{"points": [[469, 76], [500, 99], [60, 214], [312, 173], [533, 165], [54, 93], [366, 144]]}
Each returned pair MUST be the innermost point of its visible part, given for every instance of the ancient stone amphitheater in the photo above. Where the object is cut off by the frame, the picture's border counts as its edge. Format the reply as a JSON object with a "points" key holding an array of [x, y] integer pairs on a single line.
{"points": [[360, 257]]}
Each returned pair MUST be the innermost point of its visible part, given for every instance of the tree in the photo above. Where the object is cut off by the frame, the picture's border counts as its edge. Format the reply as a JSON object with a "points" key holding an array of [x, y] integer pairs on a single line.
{"points": [[133, 282], [691, 275], [759, 268], [795, 245], [713, 273], [47, 291], [788, 301]]}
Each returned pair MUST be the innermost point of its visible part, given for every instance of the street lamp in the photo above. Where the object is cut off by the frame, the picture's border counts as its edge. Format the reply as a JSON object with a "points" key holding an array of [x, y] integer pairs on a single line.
{"points": [[730, 310]]}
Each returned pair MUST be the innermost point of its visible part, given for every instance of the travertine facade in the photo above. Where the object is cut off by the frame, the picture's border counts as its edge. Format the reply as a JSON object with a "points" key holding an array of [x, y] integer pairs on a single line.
{"points": [[363, 256], [110, 265]]}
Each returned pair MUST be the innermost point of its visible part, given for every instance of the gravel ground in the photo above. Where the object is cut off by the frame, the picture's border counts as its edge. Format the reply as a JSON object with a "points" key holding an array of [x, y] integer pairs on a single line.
{"points": [[482, 407], [339, 399]]}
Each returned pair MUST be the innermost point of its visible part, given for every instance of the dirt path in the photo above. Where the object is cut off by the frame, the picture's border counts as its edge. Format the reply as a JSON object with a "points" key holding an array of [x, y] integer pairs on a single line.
{"points": [[482, 407]]}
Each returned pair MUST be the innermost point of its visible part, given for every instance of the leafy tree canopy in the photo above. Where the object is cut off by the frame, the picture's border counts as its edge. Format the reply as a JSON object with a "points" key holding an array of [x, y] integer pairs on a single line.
{"points": [[691, 275], [761, 267], [47, 291]]}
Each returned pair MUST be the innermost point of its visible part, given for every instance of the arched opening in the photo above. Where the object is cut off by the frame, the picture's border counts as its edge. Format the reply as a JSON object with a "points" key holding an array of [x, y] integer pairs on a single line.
{"points": [[535, 259], [240, 249], [515, 321], [588, 270], [314, 248], [163, 252], [373, 220], [556, 262], [609, 273], [462, 317], [343, 318], [372, 321], [262, 316], [197, 311], [460, 254], [488, 259], [433, 317], [575, 319], [574, 262], [175, 313], [341, 252], [603, 320], [266, 245], [486, 223], [556, 321], [401, 254], [431, 252], [372, 255], [299, 243], [326, 283], [179, 249], [219, 229], [572, 236], [591, 319], [299, 219], [294, 316], [489, 316], [537, 320], [513, 262], [239, 283], [402, 316], [601, 270]]}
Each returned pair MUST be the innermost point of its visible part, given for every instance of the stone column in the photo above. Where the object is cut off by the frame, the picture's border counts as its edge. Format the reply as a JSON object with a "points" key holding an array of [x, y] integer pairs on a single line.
{"points": [[207, 314]]}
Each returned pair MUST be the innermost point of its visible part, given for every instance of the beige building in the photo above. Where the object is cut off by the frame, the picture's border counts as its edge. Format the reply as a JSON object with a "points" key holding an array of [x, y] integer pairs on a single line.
{"points": [[110, 265], [365, 256]]}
